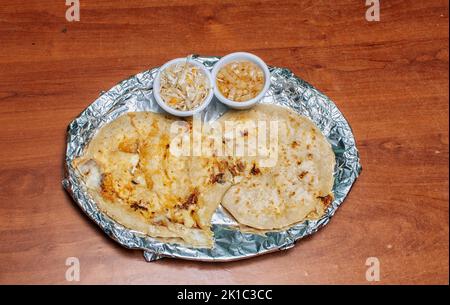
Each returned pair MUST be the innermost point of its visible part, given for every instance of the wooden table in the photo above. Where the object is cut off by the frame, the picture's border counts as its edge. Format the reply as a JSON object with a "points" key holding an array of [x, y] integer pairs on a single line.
{"points": [[389, 78]]}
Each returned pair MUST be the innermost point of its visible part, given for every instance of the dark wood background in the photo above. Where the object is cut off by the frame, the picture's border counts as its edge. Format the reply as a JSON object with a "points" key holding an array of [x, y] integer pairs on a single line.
{"points": [[389, 78]]}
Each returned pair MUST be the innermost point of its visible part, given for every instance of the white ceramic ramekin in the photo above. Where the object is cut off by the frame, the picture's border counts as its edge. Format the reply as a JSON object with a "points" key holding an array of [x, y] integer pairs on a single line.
{"points": [[237, 57], [167, 108]]}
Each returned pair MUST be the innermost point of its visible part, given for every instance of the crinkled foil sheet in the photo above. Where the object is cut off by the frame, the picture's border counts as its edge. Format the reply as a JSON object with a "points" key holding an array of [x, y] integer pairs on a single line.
{"points": [[135, 94]]}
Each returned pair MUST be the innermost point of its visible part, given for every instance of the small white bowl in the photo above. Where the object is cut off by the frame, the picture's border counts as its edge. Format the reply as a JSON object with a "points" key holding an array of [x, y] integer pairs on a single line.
{"points": [[167, 108], [237, 57]]}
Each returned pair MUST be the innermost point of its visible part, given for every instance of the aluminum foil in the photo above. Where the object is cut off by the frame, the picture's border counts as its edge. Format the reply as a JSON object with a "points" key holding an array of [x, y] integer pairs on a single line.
{"points": [[135, 94]]}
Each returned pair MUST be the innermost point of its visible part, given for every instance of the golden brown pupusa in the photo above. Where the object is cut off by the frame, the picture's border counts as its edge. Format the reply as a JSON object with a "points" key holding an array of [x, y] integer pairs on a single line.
{"points": [[292, 190], [131, 171]]}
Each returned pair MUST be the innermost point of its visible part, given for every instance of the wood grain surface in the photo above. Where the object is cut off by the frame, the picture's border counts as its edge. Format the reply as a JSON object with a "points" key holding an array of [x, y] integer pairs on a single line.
{"points": [[389, 78]]}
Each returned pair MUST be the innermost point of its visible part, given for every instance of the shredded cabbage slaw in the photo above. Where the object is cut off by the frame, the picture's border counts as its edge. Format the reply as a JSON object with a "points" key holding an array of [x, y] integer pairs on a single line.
{"points": [[240, 81], [184, 86]]}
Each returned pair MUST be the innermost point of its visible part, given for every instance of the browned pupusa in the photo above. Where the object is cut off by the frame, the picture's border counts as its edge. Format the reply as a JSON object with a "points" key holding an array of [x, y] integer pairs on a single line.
{"points": [[131, 173], [298, 186]]}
